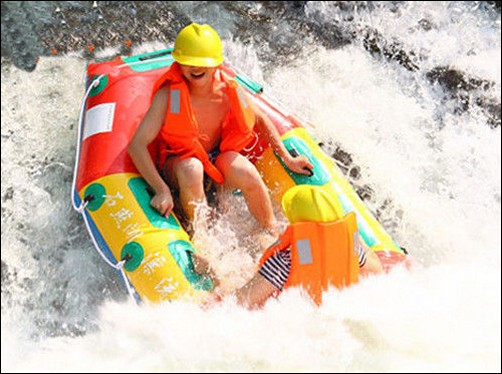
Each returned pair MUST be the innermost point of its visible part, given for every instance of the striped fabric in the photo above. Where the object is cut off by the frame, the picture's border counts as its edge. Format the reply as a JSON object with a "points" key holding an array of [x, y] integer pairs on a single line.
{"points": [[276, 268]]}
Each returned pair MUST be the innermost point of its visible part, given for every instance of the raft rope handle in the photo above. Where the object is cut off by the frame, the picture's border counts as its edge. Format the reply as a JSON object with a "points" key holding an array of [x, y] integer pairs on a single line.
{"points": [[94, 84], [119, 266], [81, 209]]}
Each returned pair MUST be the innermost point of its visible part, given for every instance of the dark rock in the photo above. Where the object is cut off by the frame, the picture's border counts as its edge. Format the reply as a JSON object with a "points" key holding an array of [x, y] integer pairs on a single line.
{"points": [[465, 91]]}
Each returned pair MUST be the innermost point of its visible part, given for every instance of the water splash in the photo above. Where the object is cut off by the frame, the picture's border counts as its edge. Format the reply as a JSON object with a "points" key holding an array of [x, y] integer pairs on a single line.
{"points": [[434, 173]]}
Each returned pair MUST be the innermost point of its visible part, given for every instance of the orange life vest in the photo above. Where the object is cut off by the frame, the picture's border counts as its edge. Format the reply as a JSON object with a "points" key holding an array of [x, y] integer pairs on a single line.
{"points": [[180, 131], [322, 254]]}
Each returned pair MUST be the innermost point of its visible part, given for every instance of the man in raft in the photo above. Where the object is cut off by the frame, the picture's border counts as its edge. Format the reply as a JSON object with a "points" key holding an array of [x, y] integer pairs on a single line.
{"points": [[321, 248], [205, 121]]}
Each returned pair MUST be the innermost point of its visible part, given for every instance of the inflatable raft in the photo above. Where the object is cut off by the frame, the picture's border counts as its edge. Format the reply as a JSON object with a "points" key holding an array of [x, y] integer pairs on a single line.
{"points": [[153, 253]]}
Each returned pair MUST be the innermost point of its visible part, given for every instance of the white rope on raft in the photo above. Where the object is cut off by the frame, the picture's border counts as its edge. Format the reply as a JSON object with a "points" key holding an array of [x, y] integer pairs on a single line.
{"points": [[119, 266], [94, 84]]}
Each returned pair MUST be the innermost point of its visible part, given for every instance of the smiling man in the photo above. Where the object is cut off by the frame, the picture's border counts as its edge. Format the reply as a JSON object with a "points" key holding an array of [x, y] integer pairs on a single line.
{"points": [[204, 121]]}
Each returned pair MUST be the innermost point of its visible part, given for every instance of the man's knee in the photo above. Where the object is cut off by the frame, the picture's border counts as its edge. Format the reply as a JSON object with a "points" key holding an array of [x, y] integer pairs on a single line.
{"points": [[237, 167], [189, 174], [188, 171], [248, 179]]}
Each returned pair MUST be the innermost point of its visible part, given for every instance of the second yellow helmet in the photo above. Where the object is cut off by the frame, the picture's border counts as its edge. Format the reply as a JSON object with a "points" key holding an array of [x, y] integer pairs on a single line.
{"points": [[311, 203], [198, 45]]}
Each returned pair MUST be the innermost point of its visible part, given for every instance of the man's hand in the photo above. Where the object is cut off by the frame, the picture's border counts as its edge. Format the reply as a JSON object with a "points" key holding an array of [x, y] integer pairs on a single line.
{"points": [[163, 203], [300, 165]]}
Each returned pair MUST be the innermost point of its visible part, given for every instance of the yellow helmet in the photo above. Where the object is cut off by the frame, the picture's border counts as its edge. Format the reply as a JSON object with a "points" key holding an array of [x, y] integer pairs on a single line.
{"points": [[198, 45], [311, 203]]}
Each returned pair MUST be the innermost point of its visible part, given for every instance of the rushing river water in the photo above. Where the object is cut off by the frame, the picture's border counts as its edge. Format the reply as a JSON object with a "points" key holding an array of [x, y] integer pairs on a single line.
{"points": [[406, 94]]}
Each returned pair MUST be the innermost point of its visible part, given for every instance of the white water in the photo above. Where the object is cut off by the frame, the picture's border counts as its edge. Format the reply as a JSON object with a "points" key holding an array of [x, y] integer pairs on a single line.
{"points": [[64, 310]]}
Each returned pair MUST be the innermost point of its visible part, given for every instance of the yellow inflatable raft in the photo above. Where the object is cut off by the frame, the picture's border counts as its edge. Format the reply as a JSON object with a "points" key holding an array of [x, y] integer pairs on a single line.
{"points": [[154, 253]]}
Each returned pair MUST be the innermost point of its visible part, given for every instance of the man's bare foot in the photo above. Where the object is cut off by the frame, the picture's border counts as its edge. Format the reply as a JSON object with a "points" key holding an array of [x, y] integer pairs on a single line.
{"points": [[266, 238]]}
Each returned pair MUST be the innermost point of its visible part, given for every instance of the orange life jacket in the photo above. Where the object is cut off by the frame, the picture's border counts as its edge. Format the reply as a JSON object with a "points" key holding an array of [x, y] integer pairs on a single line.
{"points": [[323, 254], [180, 131]]}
